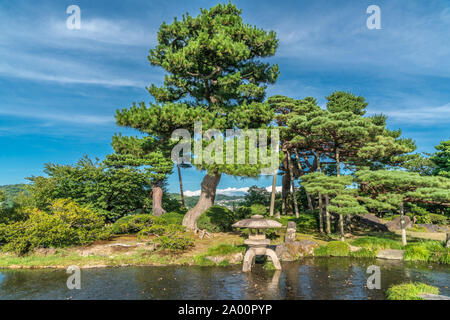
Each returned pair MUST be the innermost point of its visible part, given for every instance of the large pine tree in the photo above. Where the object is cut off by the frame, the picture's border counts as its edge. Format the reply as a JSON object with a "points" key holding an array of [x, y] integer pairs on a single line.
{"points": [[213, 75]]}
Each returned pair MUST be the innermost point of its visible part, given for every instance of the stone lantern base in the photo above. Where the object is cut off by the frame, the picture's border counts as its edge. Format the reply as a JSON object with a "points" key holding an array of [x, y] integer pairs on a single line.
{"points": [[252, 252]]}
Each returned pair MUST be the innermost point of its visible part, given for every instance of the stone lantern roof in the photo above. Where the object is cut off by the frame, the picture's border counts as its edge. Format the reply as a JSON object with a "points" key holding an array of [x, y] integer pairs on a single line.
{"points": [[257, 222]]}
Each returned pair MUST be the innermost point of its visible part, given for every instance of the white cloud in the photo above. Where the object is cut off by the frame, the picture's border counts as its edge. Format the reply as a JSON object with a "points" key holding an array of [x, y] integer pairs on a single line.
{"points": [[420, 115]]}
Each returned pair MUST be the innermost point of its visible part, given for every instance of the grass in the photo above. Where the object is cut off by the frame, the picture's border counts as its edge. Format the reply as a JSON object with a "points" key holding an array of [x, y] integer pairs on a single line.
{"points": [[225, 249], [429, 251], [418, 229], [410, 291], [333, 249], [363, 253], [376, 243]]}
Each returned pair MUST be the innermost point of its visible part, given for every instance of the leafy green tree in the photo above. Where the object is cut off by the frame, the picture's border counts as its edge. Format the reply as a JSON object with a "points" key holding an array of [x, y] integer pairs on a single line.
{"points": [[148, 155], [337, 188], [111, 192], [390, 190], [442, 159], [214, 75], [256, 195]]}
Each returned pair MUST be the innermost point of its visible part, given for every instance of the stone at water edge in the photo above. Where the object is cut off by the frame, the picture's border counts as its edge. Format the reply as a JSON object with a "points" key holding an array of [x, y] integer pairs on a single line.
{"points": [[231, 258], [291, 251], [390, 254]]}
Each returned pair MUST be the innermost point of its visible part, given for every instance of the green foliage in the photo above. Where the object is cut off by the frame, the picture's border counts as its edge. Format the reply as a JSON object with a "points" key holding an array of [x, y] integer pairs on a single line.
{"points": [[410, 291], [66, 224], [174, 242], [374, 243], [224, 249], [161, 229], [338, 249], [363, 253], [430, 251], [442, 159], [269, 266], [216, 219], [201, 260], [111, 192], [257, 196], [258, 209], [172, 217], [307, 222], [321, 251], [134, 223], [333, 249]]}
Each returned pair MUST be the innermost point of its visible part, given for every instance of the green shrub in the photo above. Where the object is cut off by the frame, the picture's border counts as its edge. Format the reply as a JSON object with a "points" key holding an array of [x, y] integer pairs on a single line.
{"points": [[173, 217], [135, 223], [216, 219], [258, 209], [438, 219], [160, 230], [65, 224], [410, 291], [174, 242], [374, 243], [321, 251], [338, 249], [431, 251], [363, 253]]}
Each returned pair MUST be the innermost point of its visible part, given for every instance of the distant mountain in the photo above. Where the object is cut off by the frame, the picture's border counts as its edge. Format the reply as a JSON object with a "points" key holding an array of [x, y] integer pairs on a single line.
{"points": [[12, 191], [190, 202]]}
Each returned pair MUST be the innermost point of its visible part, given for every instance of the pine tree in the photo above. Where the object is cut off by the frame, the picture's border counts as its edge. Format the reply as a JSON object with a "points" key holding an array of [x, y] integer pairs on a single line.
{"points": [[442, 159], [390, 190], [214, 75]]}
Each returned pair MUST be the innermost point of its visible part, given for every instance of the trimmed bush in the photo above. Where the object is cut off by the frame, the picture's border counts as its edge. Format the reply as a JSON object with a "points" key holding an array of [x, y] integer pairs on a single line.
{"points": [[65, 224], [338, 249], [174, 242], [321, 251], [430, 251], [160, 230], [363, 253], [216, 219], [134, 223], [410, 291], [374, 243]]}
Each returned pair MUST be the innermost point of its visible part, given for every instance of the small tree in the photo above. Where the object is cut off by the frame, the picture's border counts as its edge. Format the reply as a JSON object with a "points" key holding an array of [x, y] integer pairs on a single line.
{"points": [[383, 189]]}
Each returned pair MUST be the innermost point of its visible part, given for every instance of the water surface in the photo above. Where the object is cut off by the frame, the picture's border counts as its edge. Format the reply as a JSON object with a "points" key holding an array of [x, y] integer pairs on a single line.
{"points": [[314, 278]]}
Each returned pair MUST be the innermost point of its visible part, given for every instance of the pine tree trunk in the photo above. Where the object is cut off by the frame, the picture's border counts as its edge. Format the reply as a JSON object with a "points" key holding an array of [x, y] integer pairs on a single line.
{"points": [[291, 175], [320, 214], [181, 184], [327, 214], [341, 217], [206, 200], [403, 224], [272, 196], [284, 193], [310, 204], [157, 195]]}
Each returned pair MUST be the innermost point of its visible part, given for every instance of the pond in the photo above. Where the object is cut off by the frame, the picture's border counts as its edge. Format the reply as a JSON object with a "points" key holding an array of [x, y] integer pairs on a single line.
{"points": [[314, 278]]}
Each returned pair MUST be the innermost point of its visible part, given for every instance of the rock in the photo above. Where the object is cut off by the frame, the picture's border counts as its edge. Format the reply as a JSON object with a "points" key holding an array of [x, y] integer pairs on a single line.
{"points": [[231, 258], [396, 225], [433, 297], [291, 232], [353, 248], [45, 251], [292, 251], [432, 227], [370, 220], [390, 254]]}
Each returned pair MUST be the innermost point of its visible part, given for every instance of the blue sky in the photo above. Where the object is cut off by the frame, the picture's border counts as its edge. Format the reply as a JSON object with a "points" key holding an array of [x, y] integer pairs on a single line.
{"points": [[60, 88]]}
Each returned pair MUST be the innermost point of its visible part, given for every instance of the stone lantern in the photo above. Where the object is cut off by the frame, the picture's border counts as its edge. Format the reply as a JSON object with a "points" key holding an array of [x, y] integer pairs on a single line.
{"points": [[257, 242]]}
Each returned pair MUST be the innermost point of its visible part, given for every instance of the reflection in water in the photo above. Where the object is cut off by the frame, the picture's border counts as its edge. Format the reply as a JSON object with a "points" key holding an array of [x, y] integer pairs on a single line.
{"points": [[319, 278]]}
